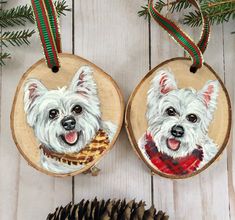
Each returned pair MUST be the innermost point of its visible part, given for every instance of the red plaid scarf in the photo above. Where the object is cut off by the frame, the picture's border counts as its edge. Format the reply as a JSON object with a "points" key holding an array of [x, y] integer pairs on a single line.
{"points": [[169, 165]]}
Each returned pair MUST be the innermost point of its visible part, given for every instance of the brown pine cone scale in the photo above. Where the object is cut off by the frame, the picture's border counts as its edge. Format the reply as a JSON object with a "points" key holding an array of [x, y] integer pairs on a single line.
{"points": [[107, 210]]}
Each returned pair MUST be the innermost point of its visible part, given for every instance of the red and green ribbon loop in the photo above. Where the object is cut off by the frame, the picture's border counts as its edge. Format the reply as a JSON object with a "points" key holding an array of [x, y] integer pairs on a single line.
{"points": [[194, 50], [48, 28]]}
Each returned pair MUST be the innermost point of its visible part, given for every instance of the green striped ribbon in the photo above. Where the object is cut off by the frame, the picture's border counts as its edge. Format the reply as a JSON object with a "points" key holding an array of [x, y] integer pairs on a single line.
{"points": [[48, 28], [195, 51]]}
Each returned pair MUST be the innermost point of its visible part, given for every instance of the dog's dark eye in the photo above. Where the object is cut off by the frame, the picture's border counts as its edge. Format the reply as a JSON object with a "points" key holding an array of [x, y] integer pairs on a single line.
{"points": [[171, 111], [53, 113], [192, 118], [77, 109]]}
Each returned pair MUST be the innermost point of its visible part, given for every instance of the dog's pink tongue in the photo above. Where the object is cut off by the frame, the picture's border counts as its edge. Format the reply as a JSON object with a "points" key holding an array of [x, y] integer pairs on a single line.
{"points": [[173, 144], [71, 137]]}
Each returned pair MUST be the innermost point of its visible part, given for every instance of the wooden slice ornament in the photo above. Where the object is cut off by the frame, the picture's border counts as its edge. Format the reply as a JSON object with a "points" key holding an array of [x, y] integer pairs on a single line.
{"points": [[63, 123], [178, 118]]}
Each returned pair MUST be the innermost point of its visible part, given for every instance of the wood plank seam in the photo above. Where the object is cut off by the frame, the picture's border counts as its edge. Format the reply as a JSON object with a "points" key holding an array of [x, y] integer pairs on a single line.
{"points": [[0, 74], [224, 75], [73, 48], [224, 80], [150, 67]]}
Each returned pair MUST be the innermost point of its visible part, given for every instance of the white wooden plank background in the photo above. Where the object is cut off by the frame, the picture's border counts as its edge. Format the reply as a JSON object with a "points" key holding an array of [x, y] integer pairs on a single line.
{"points": [[110, 34]]}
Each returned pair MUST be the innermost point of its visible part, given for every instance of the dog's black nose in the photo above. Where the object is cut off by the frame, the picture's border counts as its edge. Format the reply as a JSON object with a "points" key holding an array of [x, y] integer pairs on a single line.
{"points": [[177, 131], [68, 123]]}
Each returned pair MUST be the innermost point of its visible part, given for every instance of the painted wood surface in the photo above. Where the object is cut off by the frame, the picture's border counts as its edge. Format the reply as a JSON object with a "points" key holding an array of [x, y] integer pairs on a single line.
{"points": [[111, 35], [110, 99]]}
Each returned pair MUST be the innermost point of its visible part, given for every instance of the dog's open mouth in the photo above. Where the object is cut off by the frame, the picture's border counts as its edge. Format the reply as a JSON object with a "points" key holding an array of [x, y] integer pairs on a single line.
{"points": [[173, 144], [70, 138]]}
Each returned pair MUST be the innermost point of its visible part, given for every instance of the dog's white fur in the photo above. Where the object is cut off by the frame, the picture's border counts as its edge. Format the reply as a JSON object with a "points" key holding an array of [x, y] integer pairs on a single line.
{"points": [[163, 93], [38, 101]]}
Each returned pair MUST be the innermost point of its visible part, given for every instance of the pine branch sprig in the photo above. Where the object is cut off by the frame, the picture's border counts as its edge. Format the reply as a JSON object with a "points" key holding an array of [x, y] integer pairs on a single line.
{"points": [[16, 16], [143, 12], [61, 7], [3, 57], [193, 19], [176, 5], [179, 5], [217, 11], [16, 38], [144, 9], [20, 15]]}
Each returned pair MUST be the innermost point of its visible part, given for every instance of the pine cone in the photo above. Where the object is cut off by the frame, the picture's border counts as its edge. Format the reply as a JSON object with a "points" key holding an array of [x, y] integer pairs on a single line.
{"points": [[106, 210]]}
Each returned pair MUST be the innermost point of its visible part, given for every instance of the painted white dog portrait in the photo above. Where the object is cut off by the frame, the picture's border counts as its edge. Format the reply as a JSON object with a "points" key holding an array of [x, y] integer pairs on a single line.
{"points": [[176, 141], [67, 122]]}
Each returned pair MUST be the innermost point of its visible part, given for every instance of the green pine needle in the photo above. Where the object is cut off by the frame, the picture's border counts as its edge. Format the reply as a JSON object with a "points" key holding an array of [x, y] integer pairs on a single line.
{"points": [[16, 16], [144, 12], [144, 9], [3, 57], [176, 5], [180, 5], [61, 7], [20, 15], [16, 38], [217, 11]]}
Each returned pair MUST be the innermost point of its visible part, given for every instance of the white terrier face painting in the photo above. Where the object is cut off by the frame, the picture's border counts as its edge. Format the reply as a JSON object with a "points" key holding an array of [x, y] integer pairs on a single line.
{"points": [[67, 122], [176, 141]]}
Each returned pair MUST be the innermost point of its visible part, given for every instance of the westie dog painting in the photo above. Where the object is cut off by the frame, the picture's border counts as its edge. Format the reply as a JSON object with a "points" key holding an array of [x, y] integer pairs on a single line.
{"points": [[67, 122], [176, 141]]}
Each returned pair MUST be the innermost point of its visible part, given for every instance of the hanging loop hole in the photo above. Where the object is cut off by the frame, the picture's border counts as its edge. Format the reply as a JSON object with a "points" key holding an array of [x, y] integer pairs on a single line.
{"points": [[55, 69], [193, 69]]}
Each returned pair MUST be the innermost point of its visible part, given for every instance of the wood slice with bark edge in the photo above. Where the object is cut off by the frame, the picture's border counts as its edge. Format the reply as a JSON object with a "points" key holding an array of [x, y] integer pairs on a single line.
{"points": [[136, 124], [108, 92]]}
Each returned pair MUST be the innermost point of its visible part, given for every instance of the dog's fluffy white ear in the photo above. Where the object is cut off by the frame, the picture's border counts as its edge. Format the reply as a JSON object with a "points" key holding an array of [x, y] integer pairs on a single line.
{"points": [[83, 82], [163, 83], [209, 94], [33, 90]]}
